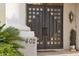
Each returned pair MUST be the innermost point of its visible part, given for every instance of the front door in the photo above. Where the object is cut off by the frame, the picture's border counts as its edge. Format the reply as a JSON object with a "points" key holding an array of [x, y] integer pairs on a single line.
{"points": [[47, 23]]}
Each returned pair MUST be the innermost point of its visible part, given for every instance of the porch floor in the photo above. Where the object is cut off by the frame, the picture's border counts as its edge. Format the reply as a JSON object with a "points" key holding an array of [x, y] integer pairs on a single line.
{"points": [[58, 53]]}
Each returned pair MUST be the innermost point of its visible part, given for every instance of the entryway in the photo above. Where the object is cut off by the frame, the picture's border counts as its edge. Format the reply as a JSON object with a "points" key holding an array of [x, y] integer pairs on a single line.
{"points": [[46, 20]]}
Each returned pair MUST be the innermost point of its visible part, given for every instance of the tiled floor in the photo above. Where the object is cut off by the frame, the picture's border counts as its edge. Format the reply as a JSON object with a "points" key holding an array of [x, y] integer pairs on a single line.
{"points": [[60, 53]]}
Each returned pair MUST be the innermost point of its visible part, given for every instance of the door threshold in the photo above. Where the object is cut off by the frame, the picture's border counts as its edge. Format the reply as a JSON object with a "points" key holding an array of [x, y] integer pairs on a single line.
{"points": [[49, 50]]}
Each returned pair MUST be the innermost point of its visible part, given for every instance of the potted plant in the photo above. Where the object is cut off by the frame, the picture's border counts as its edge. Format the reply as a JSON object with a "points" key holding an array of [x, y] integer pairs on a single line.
{"points": [[8, 41], [72, 39]]}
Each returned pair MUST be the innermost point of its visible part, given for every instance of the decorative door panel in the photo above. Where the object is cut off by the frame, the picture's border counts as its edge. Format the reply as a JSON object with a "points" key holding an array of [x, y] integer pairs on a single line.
{"points": [[47, 23], [54, 22]]}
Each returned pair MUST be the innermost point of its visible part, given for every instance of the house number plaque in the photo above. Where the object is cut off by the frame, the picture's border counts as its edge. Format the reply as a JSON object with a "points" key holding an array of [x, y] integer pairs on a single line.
{"points": [[30, 41]]}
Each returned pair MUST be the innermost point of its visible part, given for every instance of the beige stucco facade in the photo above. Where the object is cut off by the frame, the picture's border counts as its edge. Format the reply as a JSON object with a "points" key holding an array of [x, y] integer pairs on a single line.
{"points": [[67, 26], [2, 13], [77, 26]]}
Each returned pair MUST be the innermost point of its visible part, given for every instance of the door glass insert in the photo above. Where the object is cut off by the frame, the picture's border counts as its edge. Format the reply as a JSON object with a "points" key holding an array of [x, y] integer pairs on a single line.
{"points": [[52, 38], [51, 42], [51, 13], [48, 42], [48, 9], [33, 12], [29, 9], [58, 13], [29, 20], [33, 17], [51, 9], [37, 9], [55, 17], [41, 9], [37, 13], [33, 9], [29, 16]]}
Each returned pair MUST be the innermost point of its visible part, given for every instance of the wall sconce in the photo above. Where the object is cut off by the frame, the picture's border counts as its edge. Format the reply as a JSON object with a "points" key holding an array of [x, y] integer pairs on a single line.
{"points": [[71, 16]]}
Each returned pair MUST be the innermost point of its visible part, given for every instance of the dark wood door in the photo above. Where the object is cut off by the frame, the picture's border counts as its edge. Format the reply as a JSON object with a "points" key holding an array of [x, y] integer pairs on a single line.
{"points": [[47, 22]]}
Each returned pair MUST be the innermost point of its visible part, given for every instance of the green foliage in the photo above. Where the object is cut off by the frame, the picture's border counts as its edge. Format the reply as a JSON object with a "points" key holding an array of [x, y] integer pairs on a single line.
{"points": [[8, 39], [2, 27], [73, 37], [8, 50]]}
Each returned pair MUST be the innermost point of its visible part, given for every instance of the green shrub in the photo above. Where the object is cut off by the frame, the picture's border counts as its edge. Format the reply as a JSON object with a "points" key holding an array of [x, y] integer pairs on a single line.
{"points": [[73, 37], [8, 39], [8, 50]]}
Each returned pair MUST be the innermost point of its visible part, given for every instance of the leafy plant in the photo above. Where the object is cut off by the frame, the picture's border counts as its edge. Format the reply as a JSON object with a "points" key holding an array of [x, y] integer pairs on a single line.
{"points": [[8, 41], [73, 37], [8, 50]]}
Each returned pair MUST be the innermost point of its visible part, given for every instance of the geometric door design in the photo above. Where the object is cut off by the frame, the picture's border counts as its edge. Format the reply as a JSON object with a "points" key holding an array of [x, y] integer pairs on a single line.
{"points": [[47, 23]]}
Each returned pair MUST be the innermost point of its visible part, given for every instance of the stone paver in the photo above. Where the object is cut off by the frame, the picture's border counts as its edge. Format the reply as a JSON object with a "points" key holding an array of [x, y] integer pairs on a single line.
{"points": [[59, 53]]}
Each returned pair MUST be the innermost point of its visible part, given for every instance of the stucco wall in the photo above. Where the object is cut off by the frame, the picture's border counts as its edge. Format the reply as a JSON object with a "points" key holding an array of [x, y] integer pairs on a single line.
{"points": [[77, 26], [67, 26], [2, 13], [17, 18]]}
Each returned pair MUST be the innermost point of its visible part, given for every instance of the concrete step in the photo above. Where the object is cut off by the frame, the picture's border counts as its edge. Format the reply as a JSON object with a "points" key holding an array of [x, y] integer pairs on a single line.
{"points": [[58, 53]]}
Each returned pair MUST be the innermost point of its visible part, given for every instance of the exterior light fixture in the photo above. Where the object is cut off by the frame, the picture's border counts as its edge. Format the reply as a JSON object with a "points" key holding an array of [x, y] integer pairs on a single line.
{"points": [[71, 16]]}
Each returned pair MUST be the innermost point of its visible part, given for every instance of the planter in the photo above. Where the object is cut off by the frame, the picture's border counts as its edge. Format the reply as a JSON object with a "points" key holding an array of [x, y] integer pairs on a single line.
{"points": [[72, 48]]}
